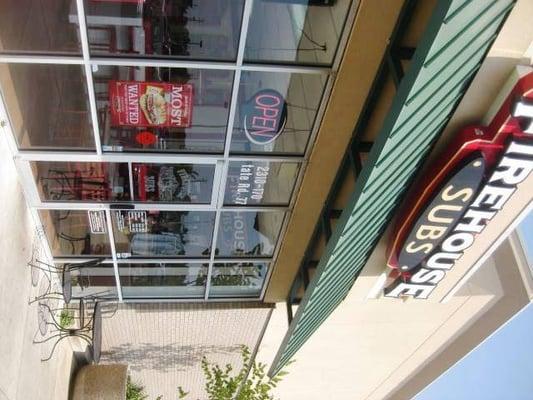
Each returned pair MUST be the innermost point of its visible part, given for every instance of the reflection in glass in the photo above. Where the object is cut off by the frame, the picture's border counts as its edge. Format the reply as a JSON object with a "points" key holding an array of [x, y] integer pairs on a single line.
{"points": [[82, 181], [39, 26], [295, 31], [94, 282], [48, 106], [155, 109], [237, 280], [75, 232], [248, 233], [140, 233], [260, 182], [266, 124], [199, 29], [173, 183], [163, 280]]}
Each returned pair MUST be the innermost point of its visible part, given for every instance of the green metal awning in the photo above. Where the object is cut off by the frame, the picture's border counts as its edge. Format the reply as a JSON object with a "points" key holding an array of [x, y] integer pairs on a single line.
{"points": [[451, 51]]}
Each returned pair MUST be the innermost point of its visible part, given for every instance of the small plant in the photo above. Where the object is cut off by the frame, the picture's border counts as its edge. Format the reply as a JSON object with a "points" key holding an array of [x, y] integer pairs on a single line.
{"points": [[249, 383], [135, 391], [181, 393], [66, 318]]}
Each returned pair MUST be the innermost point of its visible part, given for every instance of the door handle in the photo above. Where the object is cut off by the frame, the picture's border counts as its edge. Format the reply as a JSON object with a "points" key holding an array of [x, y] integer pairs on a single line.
{"points": [[122, 207]]}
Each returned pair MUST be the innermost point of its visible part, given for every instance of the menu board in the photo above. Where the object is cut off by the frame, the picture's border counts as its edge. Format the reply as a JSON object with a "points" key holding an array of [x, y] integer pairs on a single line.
{"points": [[150, 104]]}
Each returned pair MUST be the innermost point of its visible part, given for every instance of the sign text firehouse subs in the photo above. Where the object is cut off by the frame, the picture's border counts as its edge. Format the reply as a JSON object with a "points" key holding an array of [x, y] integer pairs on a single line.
{"points": [[465, 201]]}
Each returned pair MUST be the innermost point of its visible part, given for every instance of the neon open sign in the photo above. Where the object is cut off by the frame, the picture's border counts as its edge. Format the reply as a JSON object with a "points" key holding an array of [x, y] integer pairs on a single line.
{"points": [[265, 116]]}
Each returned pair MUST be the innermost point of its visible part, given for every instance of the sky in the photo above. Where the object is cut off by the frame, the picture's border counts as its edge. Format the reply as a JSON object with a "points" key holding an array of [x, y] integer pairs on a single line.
{"points": [[501, 367]]}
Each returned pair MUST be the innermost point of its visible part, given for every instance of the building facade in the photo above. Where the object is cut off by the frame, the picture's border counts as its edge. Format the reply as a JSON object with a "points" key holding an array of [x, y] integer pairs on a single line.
{"points": [[259, 151]]}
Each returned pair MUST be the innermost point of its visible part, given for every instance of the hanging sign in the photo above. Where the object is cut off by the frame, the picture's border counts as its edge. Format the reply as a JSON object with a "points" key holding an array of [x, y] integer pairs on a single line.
{"points": [[265, 116], [150, 104], [473, 181]]}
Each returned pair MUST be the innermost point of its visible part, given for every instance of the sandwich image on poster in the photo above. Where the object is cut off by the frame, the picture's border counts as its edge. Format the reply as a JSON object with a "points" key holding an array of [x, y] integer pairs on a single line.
{"points": [[145, 104]]}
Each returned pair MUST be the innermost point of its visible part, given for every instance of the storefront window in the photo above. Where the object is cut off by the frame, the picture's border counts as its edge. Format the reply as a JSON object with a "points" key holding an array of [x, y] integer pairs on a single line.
{"points": [[140, 233], [82, 181], [39, 26], [96, 281], [48, 106], [162, 109], [295, 31], [173, 183], [199, 29], [260, 183], [163, 280], [237, 280], [76, 233], [248, 234], [276, 112]]}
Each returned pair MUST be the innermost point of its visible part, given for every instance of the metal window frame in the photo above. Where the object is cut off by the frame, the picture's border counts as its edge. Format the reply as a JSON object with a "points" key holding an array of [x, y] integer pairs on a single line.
{"points": [[87, 62]]}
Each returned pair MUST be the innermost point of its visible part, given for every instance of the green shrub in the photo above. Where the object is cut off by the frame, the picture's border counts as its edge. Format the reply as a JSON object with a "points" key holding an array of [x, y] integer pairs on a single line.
{"points": [[134, 391], [249, 383]]}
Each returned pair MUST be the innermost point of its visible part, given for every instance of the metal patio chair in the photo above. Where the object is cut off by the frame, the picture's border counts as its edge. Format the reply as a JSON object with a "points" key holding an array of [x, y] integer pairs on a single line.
{"points": [[89, 330]]}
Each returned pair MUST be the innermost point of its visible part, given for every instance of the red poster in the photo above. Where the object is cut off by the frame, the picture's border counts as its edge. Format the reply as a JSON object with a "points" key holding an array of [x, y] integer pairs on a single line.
{"points": [[158, 104]]}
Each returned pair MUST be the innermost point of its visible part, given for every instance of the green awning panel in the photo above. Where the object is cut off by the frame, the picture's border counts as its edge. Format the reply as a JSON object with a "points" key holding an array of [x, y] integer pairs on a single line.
{"points": [[449, 54]]}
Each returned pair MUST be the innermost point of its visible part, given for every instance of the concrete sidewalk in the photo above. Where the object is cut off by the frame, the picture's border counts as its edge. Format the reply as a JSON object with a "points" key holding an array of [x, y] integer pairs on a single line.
{"points": [[23, 376]]}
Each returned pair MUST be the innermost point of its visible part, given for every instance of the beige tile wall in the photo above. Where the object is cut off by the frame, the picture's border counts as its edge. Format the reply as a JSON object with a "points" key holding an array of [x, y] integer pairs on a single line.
{"points": [[164, 343]]}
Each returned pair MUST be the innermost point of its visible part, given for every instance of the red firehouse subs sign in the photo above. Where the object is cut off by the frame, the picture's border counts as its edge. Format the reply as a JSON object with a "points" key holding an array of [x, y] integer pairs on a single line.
{"points": [[265, 116], [473, 180], [150, 104]]}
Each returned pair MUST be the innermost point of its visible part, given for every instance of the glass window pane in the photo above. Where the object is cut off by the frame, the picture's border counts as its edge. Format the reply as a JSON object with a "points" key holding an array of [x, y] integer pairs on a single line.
{"points": [[39, 26], [48, 106], [173, 183], [163, 280], [199, 29], [142, 233], [260, 182], [82, 181], [244, 233], [76, 232], [237, 280], [295, 31], [94, 281], [275, 112], [163, 109]]}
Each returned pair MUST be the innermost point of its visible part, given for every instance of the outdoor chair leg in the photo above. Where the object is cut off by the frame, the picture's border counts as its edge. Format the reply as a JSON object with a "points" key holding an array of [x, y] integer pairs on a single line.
{"points": [[47, 296], [54, 348], [89, 343], [59, 335], [33, 265]]}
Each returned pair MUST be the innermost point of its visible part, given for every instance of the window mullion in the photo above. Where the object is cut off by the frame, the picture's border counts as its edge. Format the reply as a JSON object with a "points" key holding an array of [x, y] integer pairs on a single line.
{"points": [[113, 252]]}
